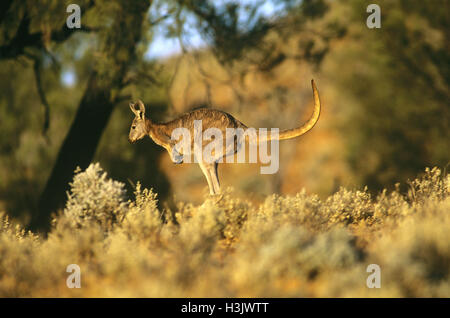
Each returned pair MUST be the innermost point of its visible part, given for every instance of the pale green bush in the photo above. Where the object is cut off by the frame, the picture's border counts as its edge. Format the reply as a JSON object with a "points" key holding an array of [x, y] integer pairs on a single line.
{"points": [[143, 220], [269, 260], [349, 207], [296, 246], [301, 209], [431, 186], [93, 197], [416, 254]]}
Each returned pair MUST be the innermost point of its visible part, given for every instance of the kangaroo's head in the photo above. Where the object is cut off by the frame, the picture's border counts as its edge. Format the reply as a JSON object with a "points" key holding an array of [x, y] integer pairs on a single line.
{"points": [[138, 128]]}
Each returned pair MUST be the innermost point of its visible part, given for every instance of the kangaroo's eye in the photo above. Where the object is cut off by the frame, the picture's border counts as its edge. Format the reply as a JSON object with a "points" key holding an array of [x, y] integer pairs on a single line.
{"points": [[132, 127]]}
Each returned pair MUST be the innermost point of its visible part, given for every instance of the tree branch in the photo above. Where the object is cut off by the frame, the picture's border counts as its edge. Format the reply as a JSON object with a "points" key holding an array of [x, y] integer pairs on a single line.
{"points": [[24, 39], [41, 92], [4, 7]]}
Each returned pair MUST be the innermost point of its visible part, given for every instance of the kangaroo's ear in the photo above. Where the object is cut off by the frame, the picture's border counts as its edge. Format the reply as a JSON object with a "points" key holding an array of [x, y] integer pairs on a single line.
{"points": [[134, 109], [141, 108]]}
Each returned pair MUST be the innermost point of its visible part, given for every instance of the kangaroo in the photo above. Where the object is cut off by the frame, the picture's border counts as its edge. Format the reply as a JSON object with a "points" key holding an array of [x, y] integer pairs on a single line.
{"points": [[161, 134]]}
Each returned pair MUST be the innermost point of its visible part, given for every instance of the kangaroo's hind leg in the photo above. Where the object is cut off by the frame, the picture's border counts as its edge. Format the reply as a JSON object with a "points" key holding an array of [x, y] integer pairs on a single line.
{"points": [[206, 169], [215, 176], [215, 181]]}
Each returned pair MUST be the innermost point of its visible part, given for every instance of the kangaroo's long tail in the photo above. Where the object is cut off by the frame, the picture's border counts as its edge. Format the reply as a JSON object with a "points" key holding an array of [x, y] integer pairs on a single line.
{"points": [[294, 132]]}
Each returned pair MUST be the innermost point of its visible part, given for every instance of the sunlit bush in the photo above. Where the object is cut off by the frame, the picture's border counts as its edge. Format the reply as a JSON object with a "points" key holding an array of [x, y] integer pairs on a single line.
{"points": [[95, 198], [296, 246]]}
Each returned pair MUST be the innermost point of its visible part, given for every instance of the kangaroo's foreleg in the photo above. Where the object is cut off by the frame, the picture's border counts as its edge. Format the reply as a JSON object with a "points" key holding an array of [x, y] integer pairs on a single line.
{"points": [[175, 156]]}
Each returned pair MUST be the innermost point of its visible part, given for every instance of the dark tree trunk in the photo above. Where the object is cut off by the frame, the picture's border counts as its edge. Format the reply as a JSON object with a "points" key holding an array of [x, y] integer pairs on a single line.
{"points": [[77, 150]]}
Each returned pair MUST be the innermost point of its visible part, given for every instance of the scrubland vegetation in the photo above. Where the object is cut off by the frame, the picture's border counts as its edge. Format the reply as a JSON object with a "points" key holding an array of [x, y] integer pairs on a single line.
{"points": [[64, 98], [288, 246]]}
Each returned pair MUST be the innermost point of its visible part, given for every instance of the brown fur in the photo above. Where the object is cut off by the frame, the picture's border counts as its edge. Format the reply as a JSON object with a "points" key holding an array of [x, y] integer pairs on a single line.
{"points": [[161, 133]]}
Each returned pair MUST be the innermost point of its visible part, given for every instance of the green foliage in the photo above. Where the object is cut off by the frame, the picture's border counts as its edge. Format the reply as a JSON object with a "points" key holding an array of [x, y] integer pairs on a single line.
{"points": [[396, 122], [391, 102], [287, 246], [143, 221], [95, 198]]}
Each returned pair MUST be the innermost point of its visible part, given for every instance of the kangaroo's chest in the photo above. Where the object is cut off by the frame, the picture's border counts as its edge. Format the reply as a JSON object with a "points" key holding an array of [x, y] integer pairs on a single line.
{"points": [[159, 138]]}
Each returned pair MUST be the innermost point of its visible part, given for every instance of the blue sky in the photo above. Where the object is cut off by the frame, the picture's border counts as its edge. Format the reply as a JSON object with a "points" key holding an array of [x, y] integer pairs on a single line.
{"points": [[162, 47]]}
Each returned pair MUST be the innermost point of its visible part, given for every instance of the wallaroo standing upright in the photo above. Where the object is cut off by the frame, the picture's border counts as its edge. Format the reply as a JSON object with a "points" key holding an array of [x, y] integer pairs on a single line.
{"points": [[222, 122]]}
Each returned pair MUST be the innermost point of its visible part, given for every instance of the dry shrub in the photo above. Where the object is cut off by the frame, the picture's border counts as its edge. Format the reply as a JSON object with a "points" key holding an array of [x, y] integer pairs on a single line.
{"points": [[93, 197], [287, 246]]}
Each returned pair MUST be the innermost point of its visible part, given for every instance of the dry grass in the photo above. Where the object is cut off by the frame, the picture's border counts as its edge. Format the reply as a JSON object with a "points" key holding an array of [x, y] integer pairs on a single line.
{"points": [[289, 246]]}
